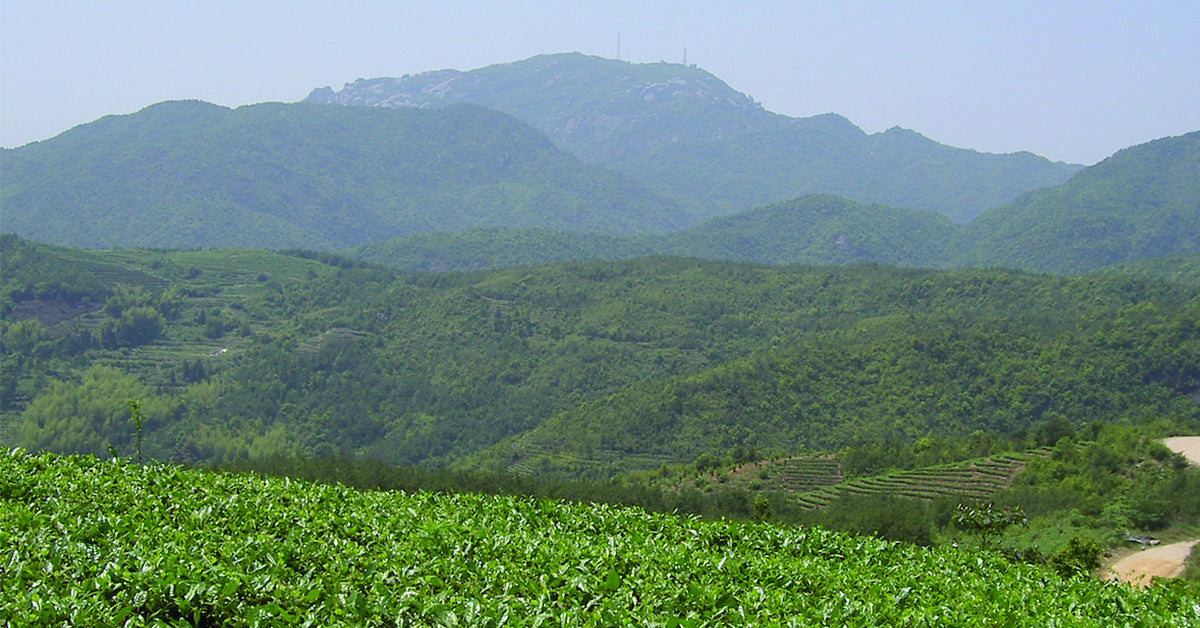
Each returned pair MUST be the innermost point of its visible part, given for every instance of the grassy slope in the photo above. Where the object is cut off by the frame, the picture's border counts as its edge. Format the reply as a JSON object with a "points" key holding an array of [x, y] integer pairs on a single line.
{"points": [[101, 543]]}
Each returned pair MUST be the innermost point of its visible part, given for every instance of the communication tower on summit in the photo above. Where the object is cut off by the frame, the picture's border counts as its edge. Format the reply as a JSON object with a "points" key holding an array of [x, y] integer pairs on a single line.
{"points": [[618, 45]]}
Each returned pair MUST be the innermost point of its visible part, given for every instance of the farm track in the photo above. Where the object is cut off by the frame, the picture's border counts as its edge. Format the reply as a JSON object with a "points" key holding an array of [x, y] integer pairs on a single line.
{"points": [[1140, 568], [1164, 561]]}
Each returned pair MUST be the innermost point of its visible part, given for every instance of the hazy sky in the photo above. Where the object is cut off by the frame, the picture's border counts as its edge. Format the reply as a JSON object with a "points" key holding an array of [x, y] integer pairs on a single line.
{"points": [[1073, 81]]}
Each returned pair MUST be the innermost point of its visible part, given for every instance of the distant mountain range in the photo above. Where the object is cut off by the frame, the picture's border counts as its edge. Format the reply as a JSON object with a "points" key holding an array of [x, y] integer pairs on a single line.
{"points": [[816, 229], [1144, 202], [192, 174], [426, 182], [686, 134]]}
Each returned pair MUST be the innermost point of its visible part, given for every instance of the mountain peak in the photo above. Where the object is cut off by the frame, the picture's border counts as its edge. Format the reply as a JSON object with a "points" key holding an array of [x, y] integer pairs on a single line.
{"points": [[686, 134], [603, 110]]}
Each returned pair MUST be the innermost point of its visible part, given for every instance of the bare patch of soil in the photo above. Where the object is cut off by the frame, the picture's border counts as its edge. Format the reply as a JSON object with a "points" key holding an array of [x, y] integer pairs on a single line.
{"points": [[1164, 561], [1189, 446]]}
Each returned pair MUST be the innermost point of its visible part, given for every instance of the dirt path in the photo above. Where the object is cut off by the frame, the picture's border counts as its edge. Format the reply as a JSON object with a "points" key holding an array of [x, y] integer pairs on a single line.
{"points": [[1189, 446], [1165, 561]]}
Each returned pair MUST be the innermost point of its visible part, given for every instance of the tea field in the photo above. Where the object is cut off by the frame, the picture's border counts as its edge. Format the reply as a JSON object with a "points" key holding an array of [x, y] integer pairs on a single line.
{"points": [[90, 542]]}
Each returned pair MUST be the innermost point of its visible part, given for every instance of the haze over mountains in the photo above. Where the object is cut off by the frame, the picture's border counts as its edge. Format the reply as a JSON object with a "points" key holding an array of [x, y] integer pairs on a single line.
{"points": [[1144, 202], [688, 135], [192, 174], [443, 171]]}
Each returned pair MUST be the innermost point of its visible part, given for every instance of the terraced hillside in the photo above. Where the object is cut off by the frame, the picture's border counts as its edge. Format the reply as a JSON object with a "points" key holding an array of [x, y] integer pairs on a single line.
{"points": [[815, 481], [798, 474], [976, 479]]}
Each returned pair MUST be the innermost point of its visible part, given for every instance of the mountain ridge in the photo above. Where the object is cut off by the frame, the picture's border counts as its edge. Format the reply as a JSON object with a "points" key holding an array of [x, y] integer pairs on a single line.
{"points": [[1142, 203], [192, 174], [655, 121]]}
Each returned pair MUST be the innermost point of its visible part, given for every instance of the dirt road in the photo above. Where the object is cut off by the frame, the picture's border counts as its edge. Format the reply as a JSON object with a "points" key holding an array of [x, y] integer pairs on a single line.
{"points": [[1165, 561], [1189, 446]]}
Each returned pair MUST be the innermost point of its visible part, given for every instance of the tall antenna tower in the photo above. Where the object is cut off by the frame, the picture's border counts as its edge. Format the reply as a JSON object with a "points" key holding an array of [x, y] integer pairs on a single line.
{"points": [[618, 45], [685, 55]]}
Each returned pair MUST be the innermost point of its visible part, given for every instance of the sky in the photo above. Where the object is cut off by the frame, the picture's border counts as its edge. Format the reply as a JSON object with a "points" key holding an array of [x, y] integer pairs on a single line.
{"points": [[1072, 81]]}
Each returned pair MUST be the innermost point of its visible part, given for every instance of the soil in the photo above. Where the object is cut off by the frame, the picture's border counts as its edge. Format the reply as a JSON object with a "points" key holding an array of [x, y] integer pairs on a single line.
{"points": [[1189, 446], [1164, 561]]}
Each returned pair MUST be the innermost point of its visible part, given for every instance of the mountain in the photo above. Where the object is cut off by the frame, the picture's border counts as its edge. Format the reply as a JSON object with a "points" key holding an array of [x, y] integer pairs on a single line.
{"points": [[1142, 202], [815, 229], [1180, 269], [686, 134], [192, 174], [500, 248]]}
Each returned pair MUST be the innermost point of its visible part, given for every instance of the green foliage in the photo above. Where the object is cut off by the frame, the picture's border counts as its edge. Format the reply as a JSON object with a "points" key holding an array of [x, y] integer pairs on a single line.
{"points": [[92, 413], [192, 174], [1123, 480], [881, 515], [103, 543], [986, 522], [1143, 202], [600, 368], [1079, 556], [139, 422]]}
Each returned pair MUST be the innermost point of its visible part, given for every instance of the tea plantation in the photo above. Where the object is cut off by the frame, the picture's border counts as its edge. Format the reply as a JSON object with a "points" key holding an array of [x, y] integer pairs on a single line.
{"points": [[90, 542]]}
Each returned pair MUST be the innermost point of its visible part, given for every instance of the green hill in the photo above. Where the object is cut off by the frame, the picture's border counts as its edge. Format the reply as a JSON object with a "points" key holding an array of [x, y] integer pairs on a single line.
{"points": [[1142, 202], [810, 230], [631, 363], [191, 174], [1181, 269], [686, 134], [500, 248], [819, 230], [907, 375], [104, 543]]}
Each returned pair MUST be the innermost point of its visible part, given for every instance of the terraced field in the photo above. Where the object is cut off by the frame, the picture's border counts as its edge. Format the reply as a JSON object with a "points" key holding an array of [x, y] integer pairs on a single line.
{"points": [[797, 474], [977, 479]]}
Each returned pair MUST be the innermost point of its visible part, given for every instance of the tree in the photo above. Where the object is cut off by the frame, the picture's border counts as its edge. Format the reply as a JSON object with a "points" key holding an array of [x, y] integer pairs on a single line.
{"points": [[986, 522]]}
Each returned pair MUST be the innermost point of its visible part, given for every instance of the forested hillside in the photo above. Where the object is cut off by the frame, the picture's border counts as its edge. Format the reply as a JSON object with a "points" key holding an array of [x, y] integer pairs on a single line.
{"points": [[686, 134], [1139, 205], [191, 174], [1142, 202], [630, 363], [810, 230]]}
